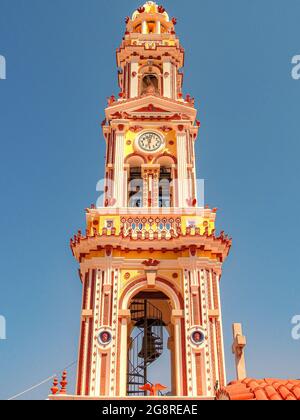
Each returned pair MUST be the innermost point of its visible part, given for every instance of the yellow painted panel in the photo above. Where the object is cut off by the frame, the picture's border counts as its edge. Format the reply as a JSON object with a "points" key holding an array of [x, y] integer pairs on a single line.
{"points": [[199, 221], [159, 255], [95, 254], [128, 276], [116, 222], [169, 137]]}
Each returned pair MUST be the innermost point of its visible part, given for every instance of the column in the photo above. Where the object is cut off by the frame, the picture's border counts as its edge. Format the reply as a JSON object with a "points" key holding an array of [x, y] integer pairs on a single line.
{"points": [[115, 329], [134, 78], [178, 357], [188, 313], [171, 348], [193, 172], [208, 355], [182, 169], [106, 370], [174, 82], [158, 27], [119, 169], [213, 317], [144, 27], [82, 357], [124, 316], [125, 187], [86, 334], [216, 279], [167, 78]]}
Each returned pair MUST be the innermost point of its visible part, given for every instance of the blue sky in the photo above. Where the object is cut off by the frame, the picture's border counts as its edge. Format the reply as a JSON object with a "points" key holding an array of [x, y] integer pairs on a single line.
{"points": [[60, 68]]}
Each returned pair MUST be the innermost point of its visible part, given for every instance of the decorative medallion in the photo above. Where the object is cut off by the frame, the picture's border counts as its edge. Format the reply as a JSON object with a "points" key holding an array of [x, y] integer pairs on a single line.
{"points": [[197, 337], [104, 338]]}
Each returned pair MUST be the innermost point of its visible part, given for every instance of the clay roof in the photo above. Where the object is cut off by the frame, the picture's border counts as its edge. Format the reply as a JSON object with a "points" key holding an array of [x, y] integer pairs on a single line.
{"points": [[266, 389]]}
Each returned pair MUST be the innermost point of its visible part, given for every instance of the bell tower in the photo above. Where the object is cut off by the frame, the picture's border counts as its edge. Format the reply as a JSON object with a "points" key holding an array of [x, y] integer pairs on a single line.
{"points": [[150, 260]]}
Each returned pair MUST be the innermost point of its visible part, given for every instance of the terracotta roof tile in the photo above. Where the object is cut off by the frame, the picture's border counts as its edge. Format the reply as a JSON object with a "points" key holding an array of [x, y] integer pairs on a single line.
{"points": [[296, 391], [265, 389], [285, 393], [272, 394]]}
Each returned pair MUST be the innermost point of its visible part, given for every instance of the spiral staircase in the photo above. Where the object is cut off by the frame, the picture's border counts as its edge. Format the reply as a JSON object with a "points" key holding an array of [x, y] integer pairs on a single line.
{"points": [[146, 346]]}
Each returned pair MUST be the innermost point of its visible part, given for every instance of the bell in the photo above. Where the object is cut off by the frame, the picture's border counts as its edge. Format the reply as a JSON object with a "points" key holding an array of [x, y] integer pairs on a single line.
{"points": [[149, 349]]}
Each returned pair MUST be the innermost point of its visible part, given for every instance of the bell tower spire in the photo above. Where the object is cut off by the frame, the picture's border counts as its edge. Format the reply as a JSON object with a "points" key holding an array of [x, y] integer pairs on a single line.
{"points": [[152, 68], [157, 126], [150, 260]]}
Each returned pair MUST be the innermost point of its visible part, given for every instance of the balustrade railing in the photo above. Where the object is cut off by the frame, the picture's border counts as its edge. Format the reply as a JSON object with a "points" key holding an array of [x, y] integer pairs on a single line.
{"points": [[151, 227]]}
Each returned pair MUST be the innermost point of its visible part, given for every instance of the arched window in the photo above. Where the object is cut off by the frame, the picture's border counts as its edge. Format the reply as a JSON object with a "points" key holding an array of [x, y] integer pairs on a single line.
{"points": [[135, 181], [138, 29], [151, 27], [165, 180], [135, 187], [150, 84], [166, 187]]}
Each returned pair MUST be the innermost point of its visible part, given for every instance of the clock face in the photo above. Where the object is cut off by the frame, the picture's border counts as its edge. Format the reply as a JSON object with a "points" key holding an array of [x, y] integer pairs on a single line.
{"points": [[150, 142]]}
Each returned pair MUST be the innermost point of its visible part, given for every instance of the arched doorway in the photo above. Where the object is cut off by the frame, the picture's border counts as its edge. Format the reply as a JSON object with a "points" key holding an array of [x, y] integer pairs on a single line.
{"points": [[168, 302], [149, 358]]}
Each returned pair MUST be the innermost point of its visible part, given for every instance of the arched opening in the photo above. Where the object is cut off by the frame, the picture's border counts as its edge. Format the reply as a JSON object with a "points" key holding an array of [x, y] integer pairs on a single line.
{"points": [[135, 181], [165, 180], [135, 190], [138, 29], [150, 333], [152, 27], [173, 303], [163, 29], [150, 84], [166, 188]]}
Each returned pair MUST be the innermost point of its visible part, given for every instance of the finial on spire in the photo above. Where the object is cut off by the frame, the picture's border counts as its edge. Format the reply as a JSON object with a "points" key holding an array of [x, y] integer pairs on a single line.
{"points": [[151, 7], [55, 388], [64, 383]]}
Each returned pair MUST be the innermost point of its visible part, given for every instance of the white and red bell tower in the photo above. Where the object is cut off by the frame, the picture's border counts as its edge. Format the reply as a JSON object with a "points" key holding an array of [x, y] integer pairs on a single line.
{"points": [[150, 259]]}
